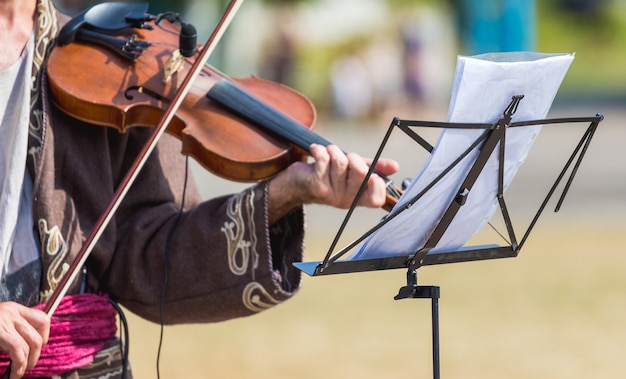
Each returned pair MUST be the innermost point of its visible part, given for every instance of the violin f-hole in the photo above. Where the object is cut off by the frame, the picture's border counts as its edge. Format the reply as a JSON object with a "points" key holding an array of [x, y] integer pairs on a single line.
{"points": [[141, 89]]}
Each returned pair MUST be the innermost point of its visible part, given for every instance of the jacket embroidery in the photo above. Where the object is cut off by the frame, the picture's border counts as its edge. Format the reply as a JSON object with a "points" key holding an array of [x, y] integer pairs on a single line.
{"points": [[46, 25], [53, 245], [241, 246], [242, 253], [256, 298]]}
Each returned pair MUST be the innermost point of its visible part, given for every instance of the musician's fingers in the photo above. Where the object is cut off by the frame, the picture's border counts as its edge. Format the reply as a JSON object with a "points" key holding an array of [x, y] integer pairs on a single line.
{"points": [[338, 171], [18, 352], [322, 160], [34, 329], [23, 332], [39, 321], [385, 166]]}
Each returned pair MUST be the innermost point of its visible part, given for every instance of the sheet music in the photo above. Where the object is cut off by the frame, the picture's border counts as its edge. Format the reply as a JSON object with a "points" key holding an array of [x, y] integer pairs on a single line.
{"points": [[482, 89]]}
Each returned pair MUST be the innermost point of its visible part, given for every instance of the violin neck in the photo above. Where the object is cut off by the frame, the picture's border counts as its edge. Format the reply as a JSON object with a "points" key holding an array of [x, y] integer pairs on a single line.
{"points": [[247, 106], [252, 109]]}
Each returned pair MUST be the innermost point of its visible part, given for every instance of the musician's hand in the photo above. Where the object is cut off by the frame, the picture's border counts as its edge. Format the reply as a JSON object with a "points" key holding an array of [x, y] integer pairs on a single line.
{"points": [[333, 179], [23, 332]]}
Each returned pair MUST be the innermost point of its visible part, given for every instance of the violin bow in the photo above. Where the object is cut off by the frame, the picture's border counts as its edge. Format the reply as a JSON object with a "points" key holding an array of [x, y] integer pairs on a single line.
{"points": [[142, 157]]}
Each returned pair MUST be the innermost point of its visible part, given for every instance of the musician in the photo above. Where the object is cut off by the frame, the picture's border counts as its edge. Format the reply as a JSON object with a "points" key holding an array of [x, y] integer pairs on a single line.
{"points": [[227, 257]]}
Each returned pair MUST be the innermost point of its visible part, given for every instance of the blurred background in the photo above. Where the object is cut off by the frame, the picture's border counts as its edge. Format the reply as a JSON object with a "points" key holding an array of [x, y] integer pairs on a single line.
{"points": [[367, 58], [555, 311]]}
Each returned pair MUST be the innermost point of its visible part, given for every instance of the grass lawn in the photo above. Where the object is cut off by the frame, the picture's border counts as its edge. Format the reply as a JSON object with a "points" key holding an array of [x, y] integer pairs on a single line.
{"points": [[555, 311]]}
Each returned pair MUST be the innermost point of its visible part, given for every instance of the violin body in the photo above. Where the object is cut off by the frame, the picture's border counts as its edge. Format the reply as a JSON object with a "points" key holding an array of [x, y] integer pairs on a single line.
{"points": [[94, 84]]}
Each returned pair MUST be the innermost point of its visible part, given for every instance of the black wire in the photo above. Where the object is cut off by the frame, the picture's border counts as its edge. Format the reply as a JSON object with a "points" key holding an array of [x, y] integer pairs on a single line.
{"points": [[166, 256], [124, 337]]}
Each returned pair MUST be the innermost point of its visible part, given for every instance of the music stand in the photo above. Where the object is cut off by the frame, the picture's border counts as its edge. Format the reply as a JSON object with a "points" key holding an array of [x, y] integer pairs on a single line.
{"points": [[493, 139]]}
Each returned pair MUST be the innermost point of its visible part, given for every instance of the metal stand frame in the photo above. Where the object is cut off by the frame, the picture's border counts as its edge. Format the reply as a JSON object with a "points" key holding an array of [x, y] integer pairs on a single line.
{"points": [[413, 291], [492, 140]]}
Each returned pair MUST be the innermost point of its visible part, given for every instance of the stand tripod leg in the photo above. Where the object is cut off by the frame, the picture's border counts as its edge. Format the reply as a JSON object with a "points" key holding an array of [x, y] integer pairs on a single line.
{"points": [[413, 291], [435, 321]]}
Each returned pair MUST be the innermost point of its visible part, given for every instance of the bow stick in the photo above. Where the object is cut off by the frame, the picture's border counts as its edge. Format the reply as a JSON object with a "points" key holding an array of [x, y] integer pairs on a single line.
{"points": [[141, 159]]}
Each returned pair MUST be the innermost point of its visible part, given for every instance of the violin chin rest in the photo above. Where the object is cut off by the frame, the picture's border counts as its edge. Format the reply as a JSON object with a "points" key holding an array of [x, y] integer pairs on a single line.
{"points": [[109, 16]]}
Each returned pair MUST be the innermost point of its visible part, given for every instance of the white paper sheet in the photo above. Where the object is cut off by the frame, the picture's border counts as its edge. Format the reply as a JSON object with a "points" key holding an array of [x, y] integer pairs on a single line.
{"points": [[482, 89]]}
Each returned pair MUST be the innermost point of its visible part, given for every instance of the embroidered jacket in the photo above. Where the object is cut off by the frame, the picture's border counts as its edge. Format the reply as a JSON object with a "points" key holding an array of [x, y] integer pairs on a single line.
{"points": [[224, 260]]}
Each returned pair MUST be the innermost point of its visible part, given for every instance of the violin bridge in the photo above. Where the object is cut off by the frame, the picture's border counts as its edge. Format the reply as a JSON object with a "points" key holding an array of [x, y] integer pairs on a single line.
{"points": [[173, 64]]}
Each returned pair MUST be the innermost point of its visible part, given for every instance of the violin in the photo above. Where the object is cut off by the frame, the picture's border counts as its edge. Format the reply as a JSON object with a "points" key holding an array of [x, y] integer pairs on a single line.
{"points": [[112, 90], [242, 129], [135, 71]]}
